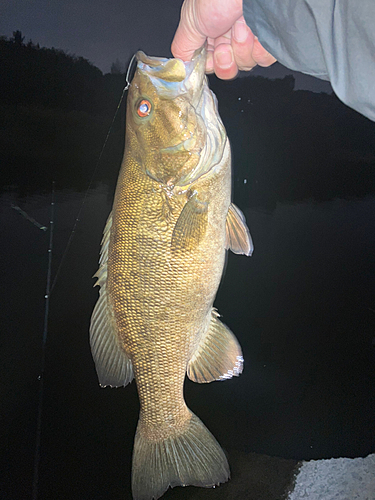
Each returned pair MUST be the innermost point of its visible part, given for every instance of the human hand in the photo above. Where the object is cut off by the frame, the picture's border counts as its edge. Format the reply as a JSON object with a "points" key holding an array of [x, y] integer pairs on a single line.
{"points": [[231, 44]]}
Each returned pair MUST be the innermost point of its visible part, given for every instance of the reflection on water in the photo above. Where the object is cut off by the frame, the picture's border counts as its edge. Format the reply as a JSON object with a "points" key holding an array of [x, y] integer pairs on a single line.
{"points": [[302, 308]]}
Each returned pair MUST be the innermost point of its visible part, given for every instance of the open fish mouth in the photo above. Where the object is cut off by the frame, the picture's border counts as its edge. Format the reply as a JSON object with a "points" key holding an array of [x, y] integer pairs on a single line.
{"points": [[173, 79]]}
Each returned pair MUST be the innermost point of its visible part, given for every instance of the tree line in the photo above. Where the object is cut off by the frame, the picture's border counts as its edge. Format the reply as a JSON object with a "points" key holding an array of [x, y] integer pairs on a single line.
{"points": [[51, 78], [56, 109]]}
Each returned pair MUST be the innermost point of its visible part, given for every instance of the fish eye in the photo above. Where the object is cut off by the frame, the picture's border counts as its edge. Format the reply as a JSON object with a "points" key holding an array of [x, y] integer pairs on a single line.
{"points": [[144, 108]]}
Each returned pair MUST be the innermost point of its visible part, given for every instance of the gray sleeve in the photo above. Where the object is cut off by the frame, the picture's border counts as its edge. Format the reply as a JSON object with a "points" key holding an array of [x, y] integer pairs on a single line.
{"points": [[331, 39]]}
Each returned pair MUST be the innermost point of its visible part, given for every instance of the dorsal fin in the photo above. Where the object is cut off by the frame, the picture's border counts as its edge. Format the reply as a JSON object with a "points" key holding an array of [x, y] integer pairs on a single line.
{"points": [[113, 365]]}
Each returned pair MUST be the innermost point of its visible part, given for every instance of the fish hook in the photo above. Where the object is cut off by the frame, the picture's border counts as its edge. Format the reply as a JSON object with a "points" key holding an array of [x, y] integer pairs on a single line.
{"points": [[128, 73]]}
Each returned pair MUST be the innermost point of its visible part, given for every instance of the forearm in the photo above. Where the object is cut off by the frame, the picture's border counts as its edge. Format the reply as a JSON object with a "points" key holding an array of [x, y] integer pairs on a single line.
{"points": [[332, 40]]}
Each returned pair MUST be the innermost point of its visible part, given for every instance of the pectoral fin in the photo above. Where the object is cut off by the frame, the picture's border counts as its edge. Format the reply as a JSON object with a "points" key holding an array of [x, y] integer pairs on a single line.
{"points": [[218, 356], [238, 237], [112, 364], [191, 225]]}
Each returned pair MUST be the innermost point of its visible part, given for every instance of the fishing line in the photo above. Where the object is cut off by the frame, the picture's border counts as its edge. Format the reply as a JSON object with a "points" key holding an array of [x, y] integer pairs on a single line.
{"points": [[128, 72], [93, 175], [44, 342]]}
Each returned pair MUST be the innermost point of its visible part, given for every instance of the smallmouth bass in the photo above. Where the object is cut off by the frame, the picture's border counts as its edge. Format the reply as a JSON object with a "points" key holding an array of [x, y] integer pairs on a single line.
{"points": [[162, 257]]}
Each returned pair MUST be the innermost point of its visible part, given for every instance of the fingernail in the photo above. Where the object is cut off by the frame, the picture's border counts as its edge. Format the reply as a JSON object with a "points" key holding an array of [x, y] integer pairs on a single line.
{"points": [[240, 31], [223, 59]]}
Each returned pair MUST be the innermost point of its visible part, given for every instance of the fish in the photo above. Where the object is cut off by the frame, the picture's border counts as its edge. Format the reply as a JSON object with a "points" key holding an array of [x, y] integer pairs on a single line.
{"points": [[161, 261]]}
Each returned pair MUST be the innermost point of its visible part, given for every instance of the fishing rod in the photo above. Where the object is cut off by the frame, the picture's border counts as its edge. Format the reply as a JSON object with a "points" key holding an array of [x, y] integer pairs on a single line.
{"points": [[30, 219], [49, 287], [44, 342]]}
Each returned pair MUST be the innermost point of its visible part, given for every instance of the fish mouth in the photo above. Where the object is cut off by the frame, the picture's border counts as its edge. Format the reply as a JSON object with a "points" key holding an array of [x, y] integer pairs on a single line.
{"points": [[173, 78]]}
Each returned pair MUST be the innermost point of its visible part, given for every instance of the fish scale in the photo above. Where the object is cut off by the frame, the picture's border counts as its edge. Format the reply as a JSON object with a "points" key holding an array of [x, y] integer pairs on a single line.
{"points": [[163, 253]]}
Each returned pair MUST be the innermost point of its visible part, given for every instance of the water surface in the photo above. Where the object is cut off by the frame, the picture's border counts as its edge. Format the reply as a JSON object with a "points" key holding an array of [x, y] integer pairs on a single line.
{"points": [[302, 307]]}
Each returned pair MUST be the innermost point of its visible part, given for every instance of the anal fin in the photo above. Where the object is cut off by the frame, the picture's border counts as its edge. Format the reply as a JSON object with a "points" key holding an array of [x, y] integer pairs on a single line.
{"points": [[218, 356]]}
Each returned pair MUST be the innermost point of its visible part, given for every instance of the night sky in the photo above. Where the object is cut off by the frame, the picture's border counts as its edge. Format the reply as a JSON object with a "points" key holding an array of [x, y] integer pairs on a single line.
{"points": [[105, 31]]}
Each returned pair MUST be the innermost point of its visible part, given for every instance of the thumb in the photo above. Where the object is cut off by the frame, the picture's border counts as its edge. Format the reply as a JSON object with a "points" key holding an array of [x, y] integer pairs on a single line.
{"points": [[186, 41]]}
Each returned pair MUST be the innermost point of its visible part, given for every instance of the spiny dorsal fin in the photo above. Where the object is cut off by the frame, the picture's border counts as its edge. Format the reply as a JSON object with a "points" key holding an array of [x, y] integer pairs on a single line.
{"points": [[112, 364], [238, 237], [218, 356], [191, 225]]}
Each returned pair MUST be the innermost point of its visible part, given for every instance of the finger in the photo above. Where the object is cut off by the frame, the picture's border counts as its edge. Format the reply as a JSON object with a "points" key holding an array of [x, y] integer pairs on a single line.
{"points": [[225, 38], [224, 63], [187, 38], [185, 43], [260, 54], [242, 44]]}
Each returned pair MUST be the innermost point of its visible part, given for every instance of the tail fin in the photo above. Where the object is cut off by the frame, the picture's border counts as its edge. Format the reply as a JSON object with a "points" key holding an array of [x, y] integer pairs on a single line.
{"points": [[191, 458]]}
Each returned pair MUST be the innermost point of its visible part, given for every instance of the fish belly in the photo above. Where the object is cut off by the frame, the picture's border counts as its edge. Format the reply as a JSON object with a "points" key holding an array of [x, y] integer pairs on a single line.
{"points": [[162, 301]]}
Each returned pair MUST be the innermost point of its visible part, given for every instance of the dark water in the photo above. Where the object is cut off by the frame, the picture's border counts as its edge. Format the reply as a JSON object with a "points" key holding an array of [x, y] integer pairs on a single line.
{"points": [[302, 307]]}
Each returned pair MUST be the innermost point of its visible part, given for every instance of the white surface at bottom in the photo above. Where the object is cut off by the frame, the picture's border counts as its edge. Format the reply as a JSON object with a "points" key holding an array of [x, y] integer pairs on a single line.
{"points": [[336, 479]]}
